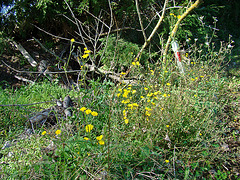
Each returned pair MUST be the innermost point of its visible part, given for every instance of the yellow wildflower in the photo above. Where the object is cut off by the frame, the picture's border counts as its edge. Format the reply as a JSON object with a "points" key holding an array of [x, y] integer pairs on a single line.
{"points": [[58, 132], [85, 56], [88, 111], [126, 121], [137, 63], [101, 142], [86, 138], [89, 127], [167, 161], [99, 137], [133, 63], [87, 52], [72, 40], [44, 132], [83, 109], [94, 113]]}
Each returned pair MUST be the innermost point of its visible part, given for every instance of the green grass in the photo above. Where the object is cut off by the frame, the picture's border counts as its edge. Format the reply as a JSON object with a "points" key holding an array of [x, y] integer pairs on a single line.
{"points": [[166, 126]]}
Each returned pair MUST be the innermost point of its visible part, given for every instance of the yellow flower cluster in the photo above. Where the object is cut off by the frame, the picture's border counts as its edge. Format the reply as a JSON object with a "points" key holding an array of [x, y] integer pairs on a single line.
{"points": [[136, 63], [88, 128], [86, 53], [127, 93], [88, 111], [172, 14]]}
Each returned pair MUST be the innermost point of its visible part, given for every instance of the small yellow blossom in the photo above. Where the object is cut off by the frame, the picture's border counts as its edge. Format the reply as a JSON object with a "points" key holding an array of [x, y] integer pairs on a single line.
{"points": [[120, 90], [85, 56], [72, 40], [44, 132], [141, 97], [148, 113], [164, 95], [178, 16], [99, 137], [168, 84], [186, 54], [87, 52], [101, 142], [134, 63], [89, 127], [167, 126], [88, 111], [119, 94], [86, 138], [94, 113], [123, 73], [58, 132], [200, 134], [167, 161], [83, 109], [126, 121], [134, 91], [137, 63], [146, 88]]}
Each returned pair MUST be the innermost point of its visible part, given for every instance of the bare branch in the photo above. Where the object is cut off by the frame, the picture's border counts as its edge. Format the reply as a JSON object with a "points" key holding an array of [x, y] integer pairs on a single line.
{"points": [[173, 33], [140, 21]]}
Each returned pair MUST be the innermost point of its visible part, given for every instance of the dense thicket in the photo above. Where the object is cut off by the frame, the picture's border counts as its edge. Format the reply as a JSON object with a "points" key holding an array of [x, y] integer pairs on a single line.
{"points": [[18, 17]]}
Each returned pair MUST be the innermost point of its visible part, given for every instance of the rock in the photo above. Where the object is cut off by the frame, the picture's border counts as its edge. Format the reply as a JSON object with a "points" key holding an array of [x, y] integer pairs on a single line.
{"points": [[67, 102]]}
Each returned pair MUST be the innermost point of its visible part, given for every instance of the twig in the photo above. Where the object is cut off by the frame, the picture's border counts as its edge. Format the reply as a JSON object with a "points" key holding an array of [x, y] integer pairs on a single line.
{"points": [[24, 53], [150, 37], [23, 79], [52, 53], [173, 33], [140, 21]]}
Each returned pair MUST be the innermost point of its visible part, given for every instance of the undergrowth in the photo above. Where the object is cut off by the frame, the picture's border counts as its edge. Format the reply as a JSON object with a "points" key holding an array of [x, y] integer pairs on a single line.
{"points": [[166, 125]]}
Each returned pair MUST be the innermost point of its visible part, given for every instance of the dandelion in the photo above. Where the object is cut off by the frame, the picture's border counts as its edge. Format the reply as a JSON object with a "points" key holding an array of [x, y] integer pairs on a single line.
{"points": [[164, 95], [44, 132], [85, 56], [167, 126], [134, 91], [147, 113], [168, 84], [200, 134], [86, 138], [134, 63], [83, 109], [179, 16], [126, 121], [72, 40], [87, 52], [99, 138], [101, 142], [88, 111], [89, 127], [166, 161], [94, 113], [145, 88], [148, 109], [58, 132], [137, 63]]}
